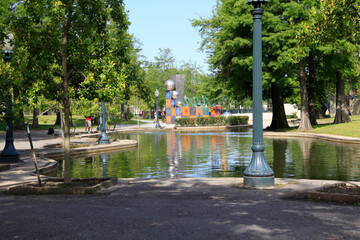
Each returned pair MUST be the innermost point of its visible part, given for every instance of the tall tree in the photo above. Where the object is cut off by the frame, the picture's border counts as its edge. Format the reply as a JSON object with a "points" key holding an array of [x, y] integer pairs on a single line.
{"points": [[301, 20], [72, 39], [340, 20], [227, 37]]}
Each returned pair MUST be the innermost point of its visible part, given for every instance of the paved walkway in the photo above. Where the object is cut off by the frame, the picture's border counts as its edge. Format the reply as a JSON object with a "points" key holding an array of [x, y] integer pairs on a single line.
{"points": [[190, 208]]}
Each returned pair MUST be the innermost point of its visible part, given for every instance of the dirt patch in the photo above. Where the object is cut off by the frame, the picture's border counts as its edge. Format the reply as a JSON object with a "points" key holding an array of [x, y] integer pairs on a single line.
{"points": [[342, 188], [341, 193], [72, 145], [58, 186]]}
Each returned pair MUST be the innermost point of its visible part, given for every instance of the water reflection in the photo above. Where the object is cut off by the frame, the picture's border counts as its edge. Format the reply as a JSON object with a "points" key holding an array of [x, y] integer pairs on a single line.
{"points": [[103, 160], [279, 153], [221, 154]]}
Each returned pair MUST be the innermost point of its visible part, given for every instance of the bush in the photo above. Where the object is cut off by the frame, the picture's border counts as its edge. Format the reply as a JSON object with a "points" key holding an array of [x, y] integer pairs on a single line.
{"points": [[192, 122], [293, 115], [211, 121], [237, 120], [182, 122]]}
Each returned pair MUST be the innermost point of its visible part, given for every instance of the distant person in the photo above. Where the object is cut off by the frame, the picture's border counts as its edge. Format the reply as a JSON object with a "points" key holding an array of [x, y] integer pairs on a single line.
{"points": [[155, 117], [88, 121], [162, 116]]}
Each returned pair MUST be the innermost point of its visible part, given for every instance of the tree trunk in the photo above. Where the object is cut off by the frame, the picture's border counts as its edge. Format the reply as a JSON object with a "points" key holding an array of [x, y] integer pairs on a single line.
{"points": [[279, 117], [122, 114], [342, 114], [322, 111], [19, 118], [66, 100], [35, 121], [58, 121], [311, 88], [128, 113], [305, 123]]}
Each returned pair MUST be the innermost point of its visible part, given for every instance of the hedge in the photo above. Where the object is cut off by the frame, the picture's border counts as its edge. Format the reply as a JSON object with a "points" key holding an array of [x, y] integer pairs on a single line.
{"points": [[211, 121]]}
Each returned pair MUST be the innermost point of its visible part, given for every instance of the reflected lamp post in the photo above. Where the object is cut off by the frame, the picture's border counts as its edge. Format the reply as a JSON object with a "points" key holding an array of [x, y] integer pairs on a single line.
{"points": [[258, 174], [103, 139], [9, 154], [157, 109], [103, 160]]}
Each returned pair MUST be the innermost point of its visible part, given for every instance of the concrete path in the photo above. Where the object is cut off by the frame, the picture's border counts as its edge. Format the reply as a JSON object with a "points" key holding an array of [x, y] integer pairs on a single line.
{"points": [[189, 208]]}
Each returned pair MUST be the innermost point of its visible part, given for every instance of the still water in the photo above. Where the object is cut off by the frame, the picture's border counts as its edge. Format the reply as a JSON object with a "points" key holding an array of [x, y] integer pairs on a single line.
{"points": [[169, 154]]}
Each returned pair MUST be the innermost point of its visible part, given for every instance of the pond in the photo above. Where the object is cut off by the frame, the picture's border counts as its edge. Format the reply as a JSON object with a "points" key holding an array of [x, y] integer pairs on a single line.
{"points": [[171, 154]]}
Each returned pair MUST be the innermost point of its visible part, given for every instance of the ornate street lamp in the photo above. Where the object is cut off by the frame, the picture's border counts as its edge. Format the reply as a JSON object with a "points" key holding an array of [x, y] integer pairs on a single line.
{"points": [[9, 154], [103, 139], [157, 109], [258, 174]]}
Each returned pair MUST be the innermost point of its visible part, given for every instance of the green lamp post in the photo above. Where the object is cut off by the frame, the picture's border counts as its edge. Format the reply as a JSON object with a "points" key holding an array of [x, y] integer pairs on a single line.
{"points": [[258, 174], [9, 154], [157, 109], [103, 139]]}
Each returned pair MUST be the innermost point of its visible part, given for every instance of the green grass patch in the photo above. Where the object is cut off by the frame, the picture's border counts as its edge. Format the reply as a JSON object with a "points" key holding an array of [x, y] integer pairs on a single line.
{"points": [[325, 125], [48, 121], [133, 121]]}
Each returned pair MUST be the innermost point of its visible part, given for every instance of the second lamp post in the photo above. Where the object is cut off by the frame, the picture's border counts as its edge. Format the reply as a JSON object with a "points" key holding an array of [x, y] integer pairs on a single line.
{"points": [[103, 139], [9, 154], [157, 109]]}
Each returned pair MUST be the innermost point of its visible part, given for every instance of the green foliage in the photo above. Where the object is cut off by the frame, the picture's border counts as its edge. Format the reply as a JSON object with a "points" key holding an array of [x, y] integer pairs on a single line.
{"points": [[237, 120], [99, 54], [160, 70], [227, 36], [202, 121], [211, 121]]}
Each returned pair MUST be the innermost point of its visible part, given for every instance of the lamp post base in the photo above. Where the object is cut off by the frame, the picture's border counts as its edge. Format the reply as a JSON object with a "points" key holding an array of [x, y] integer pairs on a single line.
{"points": [[259, 182], [157, 125], [103, 139], [9, 154], [9, 158]]}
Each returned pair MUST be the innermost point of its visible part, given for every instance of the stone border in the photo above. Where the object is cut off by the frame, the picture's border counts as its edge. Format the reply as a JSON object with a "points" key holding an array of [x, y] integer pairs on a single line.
{"points": [[114, 146], [332, 197], [35, 190], [320, 136], [4, 167]]}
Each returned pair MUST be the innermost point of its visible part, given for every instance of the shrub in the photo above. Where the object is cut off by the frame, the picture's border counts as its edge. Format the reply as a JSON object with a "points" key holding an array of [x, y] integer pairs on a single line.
{"points": [[192, 122], [202, 121], [237, 120], [182, 122]]}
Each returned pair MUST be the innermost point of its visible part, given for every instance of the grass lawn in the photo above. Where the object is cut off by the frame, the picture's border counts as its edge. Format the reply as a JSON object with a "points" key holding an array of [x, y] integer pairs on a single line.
{"points": [[325, 125], [48, 121]]}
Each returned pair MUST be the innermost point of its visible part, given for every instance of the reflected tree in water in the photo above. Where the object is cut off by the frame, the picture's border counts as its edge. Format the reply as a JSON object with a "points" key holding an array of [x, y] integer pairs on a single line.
{"points": [[279, 164], [343, 157], [305, 146]]}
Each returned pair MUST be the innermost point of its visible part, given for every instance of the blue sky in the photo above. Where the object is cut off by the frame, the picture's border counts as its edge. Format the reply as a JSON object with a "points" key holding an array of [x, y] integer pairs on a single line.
{"points": [[166, 24]]}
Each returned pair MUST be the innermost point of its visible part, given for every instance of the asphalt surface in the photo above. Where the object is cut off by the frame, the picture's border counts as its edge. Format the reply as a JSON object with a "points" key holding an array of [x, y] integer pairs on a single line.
{"points": [[189, 208], [178, 209]]}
